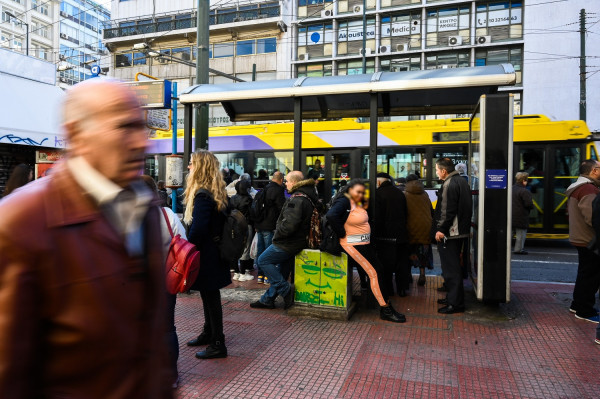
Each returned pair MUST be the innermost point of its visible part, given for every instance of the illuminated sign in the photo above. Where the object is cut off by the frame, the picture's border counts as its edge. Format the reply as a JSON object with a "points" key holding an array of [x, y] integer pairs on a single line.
{"points": [[152, 93]]}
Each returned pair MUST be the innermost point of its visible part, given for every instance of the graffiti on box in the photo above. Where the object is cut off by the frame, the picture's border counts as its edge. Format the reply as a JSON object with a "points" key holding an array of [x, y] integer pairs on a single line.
{"points": [[321, 278]]}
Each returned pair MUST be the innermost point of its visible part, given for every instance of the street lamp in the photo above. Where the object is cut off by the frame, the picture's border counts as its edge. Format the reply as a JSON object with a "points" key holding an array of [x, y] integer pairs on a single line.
{"points": [[11, 15]]}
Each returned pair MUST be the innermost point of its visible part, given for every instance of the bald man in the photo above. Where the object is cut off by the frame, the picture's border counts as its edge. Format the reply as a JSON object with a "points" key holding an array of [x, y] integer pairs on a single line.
{"points": [[82, 311]]}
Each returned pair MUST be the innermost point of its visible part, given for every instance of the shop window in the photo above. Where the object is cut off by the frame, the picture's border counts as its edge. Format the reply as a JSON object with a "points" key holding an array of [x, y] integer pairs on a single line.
{"points": [[355, 67], [315, 40], [314, 70], [447, 60], [401, 31], [500, 20], [448, 27], [350, 37], [397, 64]]}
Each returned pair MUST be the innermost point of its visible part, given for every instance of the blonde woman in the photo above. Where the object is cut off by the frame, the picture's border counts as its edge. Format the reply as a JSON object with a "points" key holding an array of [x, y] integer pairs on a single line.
{"points": [[206, 199]]}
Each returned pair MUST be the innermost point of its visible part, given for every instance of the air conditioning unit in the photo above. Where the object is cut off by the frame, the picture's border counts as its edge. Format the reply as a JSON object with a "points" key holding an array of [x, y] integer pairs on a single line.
{"points": [[303, 57], [63, 35], [63, 14], [365, 51], [402, 47], [455, 41], [326, 13], [385, 49], [357, 9], [484, 40]]}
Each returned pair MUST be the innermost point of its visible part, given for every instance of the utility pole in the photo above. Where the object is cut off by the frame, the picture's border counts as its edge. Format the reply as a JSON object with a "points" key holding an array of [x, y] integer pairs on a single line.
{"points": [[364, 38], [201, 125], [582, 67]]}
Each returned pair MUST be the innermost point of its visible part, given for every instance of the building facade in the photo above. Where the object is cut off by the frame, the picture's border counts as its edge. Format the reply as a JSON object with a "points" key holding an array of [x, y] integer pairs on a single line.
{"points": [[33, 20], [245, 37], [80, 46]]}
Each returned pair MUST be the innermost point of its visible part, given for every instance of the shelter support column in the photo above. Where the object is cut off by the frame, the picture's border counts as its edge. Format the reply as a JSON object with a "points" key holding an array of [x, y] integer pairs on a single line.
{"points": [[187, 133], [373, 121], [297, 132]]}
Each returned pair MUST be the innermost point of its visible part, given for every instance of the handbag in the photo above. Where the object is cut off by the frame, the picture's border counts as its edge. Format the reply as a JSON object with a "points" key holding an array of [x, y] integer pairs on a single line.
{"points": [[183, 262], [330, 242], [254, 247]]}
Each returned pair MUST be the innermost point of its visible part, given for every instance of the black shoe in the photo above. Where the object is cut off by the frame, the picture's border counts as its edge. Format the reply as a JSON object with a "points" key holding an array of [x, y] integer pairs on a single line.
{"points": [[260, 305], [521, 253], [288, 299], [421, 281], [388, 313], [215, 350], [451, 309], [200, 340], [442, 301]]}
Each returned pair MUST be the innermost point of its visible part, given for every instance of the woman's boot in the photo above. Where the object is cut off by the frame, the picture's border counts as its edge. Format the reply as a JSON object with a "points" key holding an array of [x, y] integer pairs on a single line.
{"points": [[202, 339], [215, 350], [422, 278]]}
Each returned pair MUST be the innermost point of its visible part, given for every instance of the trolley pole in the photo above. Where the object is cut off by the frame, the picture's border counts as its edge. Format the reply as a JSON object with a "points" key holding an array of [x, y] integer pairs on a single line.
{"points": [[201, 125], [174, 141], [364, 38], [582, 68]]}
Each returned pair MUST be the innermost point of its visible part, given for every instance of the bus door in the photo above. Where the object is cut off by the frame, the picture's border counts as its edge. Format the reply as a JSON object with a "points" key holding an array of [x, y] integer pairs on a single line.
{"points": [[331, 169]]}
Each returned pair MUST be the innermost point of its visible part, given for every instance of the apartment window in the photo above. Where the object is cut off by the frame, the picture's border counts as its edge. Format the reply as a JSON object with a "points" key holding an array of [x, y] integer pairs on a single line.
{"points": [[350, 36], [17, 44], [448, 26], [449, 59], [182, 53], [495, 56], [401, 64], [313, 8], [316, 40], [355, 67], [401, 31], [6, 17], [42, 8], [245, 47], [44, 53], [314, 70], [19, 1], [139, 58], [123, 60], [4, 39], [395, 3], [268, 45], [222, 50], [500, 20]]}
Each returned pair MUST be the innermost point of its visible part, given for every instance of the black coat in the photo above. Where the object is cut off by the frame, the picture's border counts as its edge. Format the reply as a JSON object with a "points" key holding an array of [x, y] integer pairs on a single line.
{"points": [[207, 223], [390, 214], [522, 204], [454, 208], [338, 215], [293, 224], [242, 202], [274, 200]]}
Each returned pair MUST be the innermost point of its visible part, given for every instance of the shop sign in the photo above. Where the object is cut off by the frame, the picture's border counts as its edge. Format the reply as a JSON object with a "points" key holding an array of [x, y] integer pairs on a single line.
{"points": [[499, 17]]}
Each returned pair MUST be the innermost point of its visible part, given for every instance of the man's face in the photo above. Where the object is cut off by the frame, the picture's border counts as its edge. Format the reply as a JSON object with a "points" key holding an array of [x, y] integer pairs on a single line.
{"points": [[595, 173], [441, 173], [113, 139], [288, 183]]}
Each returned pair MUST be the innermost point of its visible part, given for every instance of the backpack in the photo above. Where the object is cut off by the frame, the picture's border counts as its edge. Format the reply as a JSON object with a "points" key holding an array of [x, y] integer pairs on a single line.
{"points": [[258, 209], [234, 236], [314, 234], [330, 242]]}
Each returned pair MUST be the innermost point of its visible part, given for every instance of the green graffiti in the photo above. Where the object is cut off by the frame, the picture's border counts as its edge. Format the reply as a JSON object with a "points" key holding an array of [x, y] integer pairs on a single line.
{"points": [[318, 286], [307, 297], [338, 299], [333, 273], [311, 269]]}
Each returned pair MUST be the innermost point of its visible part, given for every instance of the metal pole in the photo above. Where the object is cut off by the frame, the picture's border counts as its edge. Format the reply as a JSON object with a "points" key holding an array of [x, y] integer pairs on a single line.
{"points": [[373, 123], [364, 38], [582, 68], [201, 124], [26, 37], [174, 141], [297, 132], [187, 133]]}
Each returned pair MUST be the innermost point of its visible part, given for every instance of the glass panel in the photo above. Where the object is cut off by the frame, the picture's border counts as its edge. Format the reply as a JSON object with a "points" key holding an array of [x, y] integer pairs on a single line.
{"points": [[235, 162], [223, 50], [182, 53], [458, 154], [315, 165], [567, 161], [123, 60], [245, 47], [268, 45], [400, 163], [340, 172], [269, 163], [532, 161]]}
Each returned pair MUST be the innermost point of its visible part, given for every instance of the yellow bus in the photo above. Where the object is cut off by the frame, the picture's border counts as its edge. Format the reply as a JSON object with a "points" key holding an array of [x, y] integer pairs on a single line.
{"points": [[550, 151]]}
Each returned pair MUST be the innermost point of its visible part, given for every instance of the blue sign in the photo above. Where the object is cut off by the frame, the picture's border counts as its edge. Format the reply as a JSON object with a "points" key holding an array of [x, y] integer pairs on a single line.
{"points": [[95, 70], [496, 178], [315, 37]]}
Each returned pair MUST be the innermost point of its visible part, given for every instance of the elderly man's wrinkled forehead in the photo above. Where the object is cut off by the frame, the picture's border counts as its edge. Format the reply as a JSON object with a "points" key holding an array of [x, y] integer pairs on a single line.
{"points": [[97, 98]]}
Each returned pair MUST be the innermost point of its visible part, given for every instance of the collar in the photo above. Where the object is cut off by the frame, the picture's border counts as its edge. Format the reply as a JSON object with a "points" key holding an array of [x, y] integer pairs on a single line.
{"points": [[101, 189]]}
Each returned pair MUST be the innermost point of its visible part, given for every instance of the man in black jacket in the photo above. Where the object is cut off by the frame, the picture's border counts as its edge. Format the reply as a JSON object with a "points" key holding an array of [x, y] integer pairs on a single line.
{"points": [[291, 236], [452, 224], [273, 199], [391, 235]]}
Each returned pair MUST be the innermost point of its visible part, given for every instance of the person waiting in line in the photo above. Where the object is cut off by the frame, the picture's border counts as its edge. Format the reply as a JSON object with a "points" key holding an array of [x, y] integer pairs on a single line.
{"points": [[262, 179], [206, 201], [461, 168], [273, 198], [350, 221], [291, 237], [231, 191], [418, 223], [452, 224], [581, 235], [391, 236], [162, 193], [20, 176], [178, 229], [242, 201], [522, 204]]}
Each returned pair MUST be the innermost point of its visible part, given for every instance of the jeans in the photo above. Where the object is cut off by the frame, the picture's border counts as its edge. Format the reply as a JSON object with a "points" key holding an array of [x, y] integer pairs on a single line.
{"points": [[265, 238], [275, 263], [520, 240], [452, 271], [586, 283]]}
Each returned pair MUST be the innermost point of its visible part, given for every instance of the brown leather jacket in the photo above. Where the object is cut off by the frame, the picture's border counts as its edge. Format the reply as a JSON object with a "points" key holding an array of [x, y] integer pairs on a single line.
{"points": [[79, 318]]}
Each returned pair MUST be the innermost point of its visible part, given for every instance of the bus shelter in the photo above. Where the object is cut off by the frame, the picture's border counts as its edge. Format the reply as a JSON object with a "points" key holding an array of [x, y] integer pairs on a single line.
{"points": [[381, 94]]}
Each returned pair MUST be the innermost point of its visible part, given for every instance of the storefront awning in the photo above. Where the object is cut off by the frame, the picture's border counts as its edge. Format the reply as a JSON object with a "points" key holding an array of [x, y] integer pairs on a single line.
{"points": [[30, 112]]}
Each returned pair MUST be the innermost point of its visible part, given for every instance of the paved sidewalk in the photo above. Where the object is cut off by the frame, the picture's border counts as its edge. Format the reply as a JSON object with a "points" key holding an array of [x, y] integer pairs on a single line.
{"points": [[530, 348]]}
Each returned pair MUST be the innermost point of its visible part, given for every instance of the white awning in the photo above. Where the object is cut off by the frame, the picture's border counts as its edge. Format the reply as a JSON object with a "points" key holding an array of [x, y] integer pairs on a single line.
{"points": [[30, 112]]}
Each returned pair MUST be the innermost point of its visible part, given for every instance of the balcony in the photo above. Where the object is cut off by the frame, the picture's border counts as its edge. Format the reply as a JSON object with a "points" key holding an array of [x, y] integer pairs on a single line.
{"points": [[187, 21]]}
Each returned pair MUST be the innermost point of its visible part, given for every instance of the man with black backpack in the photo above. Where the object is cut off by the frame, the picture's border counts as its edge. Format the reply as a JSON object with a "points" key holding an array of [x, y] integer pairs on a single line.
{"points": [[264, 212], [292, 232]]}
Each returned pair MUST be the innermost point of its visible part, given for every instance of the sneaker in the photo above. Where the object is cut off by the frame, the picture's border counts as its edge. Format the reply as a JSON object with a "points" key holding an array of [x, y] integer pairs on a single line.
{"points": [[266, 281], [260, 279], [236, 277], [231, 270], [597, 340], [591, 319], [575, 310], [260, 305], [246, 277]]}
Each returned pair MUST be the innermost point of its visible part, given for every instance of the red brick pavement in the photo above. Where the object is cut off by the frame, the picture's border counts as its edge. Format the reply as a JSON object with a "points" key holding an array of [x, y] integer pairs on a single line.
{"points": [[531, 348]]}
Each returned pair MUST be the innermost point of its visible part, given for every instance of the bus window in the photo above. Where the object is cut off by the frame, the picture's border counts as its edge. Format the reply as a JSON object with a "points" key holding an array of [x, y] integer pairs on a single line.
{"points": [[398, 163], [267, 163], [532, 161], [236, 162], [566, 161], [458, 154], [340, 171], [315, 164]]}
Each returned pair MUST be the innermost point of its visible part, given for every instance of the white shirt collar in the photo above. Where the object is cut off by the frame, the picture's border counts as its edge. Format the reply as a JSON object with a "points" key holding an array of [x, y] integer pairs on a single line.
{"points": [[93, 182]]}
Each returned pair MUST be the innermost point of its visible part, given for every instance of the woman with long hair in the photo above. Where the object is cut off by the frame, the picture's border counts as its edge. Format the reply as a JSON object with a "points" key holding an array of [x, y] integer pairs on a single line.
{"points": [[206, 200], [351, 223], [20, 176]]}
